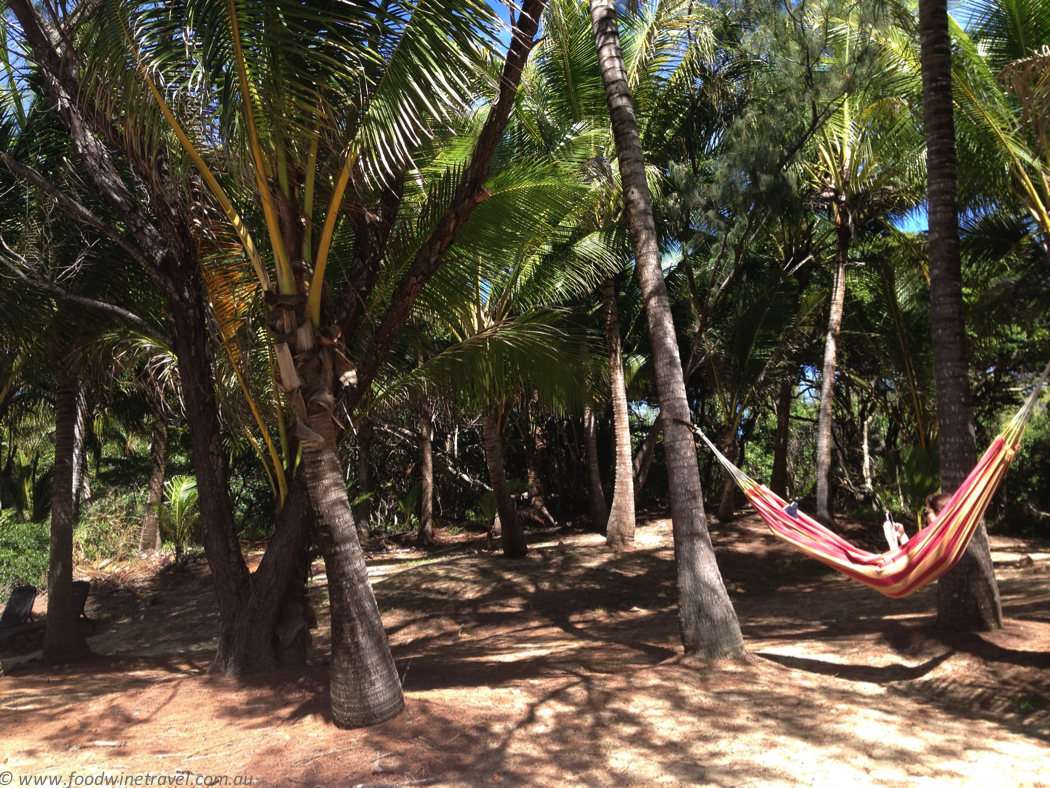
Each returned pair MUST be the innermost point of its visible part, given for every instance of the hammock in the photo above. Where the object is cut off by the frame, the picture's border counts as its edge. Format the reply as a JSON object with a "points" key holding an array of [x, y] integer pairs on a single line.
{"points": [[929, 554]]}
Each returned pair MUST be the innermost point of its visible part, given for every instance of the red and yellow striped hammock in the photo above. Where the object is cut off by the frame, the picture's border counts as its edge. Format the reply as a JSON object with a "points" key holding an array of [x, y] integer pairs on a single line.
{"points": [[928, 554]]}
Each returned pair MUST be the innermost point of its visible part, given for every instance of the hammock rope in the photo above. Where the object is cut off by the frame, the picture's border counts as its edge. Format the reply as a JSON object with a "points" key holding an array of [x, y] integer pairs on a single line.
{"points": [[927, 555]]}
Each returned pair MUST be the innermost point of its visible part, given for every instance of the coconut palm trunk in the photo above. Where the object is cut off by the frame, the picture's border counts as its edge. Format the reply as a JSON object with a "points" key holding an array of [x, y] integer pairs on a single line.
{"points": [[364, 685], [779, 476], [513, 535], [425, 536], [968, 595], [825, 514], [727, 506], [707, 621], [149, 536], [63, 640], [81, 477], [599, 510], [619, 532]]}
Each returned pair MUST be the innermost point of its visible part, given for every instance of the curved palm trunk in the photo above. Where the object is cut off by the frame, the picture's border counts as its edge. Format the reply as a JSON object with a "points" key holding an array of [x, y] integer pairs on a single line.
{"points": [[778, 478], [514, 545], [824, 513], [595, 495], [619, 532], [364, 685], [63, 640], [706, 618], [727, 506], [968, 595], [425, 536], [149, 536]]}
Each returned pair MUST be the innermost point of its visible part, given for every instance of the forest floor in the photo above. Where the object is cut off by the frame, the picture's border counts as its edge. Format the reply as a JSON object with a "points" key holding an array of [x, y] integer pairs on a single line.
{"points": [[564, 668]]}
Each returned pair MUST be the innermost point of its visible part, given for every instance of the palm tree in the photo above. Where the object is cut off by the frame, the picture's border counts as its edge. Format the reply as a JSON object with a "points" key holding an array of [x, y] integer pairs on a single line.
{"points": [[707, 621], [967, 596]]}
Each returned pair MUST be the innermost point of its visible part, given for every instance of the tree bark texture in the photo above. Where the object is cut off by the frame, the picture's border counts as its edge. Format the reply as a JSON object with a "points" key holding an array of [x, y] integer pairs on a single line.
{"points": [[779, 477], [707, 621], [426, 501], [363, 516], [619, 533], [81, 477], [825, 514], [968, 595], [599, 510], [535, 457], [149, 536], [643, 461], [727, 506], [513, 534], [63, 640]]}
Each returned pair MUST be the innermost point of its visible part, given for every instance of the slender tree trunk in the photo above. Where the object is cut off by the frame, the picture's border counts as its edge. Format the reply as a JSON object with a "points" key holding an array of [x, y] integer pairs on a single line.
{"points": [[81, 477], [643, 461], [63, 640], [425, 536], [706, 618], [968, 595], [149, 536], [619, 532], [596, 496], [535, 453], [363, 516], [514, 545], [727, 506], [824, 514], [778, 479]]}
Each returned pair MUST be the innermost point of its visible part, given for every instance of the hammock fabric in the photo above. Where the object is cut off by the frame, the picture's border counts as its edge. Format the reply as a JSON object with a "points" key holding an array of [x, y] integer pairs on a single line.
{"points": [[928, 554]]}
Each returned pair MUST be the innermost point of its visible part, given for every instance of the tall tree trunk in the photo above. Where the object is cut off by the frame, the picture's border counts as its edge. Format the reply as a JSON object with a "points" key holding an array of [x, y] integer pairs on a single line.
{"points": [[968, 595], [63, 639], [595, 495], [81, 477], [727, 506], [364, 685], [706, 618], [535, 454], [778, 479], [824, 514], [643, 461], [514, 545], [363, 516], [149, 536], [619, 532], [425, 536]]}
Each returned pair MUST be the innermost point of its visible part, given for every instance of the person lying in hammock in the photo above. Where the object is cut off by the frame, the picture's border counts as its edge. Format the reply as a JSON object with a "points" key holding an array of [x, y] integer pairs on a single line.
{"points": [[934, 504]]}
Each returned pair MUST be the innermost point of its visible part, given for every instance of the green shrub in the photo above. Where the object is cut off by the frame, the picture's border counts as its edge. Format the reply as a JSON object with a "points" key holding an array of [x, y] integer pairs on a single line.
{"points": [[23, 551], [109, 528]]}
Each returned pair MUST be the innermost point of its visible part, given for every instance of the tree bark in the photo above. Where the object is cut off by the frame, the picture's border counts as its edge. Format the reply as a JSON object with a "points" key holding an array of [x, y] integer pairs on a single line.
{"points": [[968, 595], [706, 618], [824, 513], [81, 477], [363, 516], [779, 477], [149, 536], [595, 494], [643, 461], [619, 533], [425, 536], [727, 506], [63, 640], [514, 545], [535, 451]]}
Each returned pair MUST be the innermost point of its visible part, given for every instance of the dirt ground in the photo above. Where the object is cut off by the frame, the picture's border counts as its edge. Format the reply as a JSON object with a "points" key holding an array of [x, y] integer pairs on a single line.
{"points": [[561, 669]]}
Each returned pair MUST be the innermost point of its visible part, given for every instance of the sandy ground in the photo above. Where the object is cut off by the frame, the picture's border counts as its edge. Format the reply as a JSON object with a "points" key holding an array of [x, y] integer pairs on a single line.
{"points": [[561, 669]]}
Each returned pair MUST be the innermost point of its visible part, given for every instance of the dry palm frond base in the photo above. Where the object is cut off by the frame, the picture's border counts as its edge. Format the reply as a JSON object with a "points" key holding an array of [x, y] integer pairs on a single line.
{"points": [[564, 668]]}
